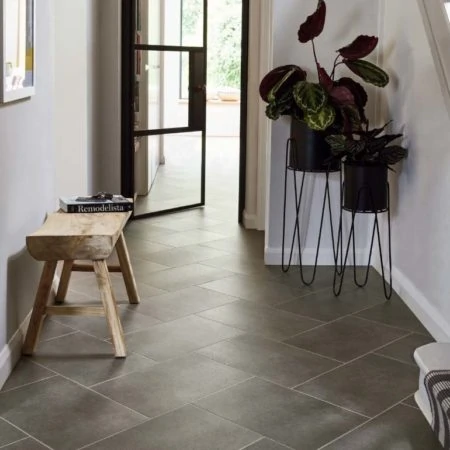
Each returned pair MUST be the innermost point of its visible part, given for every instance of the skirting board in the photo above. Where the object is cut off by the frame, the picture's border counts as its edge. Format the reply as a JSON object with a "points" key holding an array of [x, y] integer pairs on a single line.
{"points": [[272, 256], [250, 221], [12, 351], [428, 315]]}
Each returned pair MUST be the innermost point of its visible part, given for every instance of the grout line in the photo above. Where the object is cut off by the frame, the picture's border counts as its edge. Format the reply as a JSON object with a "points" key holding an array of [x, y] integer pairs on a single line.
{"points": [[364, 424], [416, 408], [75, 331], [28, 384], [94, 392], [156, 417], [387, 325], [15, 442], [253, 443], [372, 352], [395, 359], [27, 434]]}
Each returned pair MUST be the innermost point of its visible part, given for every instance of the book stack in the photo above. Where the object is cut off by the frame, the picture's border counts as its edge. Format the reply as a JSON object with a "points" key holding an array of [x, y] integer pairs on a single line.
{"points": [[100, 203]]}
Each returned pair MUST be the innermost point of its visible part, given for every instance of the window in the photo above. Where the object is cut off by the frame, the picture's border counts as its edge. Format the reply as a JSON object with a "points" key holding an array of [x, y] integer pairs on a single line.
{"points": [[224, 42]]}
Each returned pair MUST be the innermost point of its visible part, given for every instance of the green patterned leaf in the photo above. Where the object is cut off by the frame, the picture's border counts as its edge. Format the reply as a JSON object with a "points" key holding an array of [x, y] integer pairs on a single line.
{"points": [[321, 120], [336, 141], [311, 97], [369, 72]]}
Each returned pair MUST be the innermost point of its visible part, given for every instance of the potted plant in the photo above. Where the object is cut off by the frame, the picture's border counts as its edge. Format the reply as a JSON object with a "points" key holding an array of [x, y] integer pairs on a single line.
{"points": [[326, 106], [367, 156]]}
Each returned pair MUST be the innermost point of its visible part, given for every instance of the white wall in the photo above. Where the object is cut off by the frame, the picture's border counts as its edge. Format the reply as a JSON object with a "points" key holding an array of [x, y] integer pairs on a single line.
{"points": [[71, 96], [421, 220], [27, 180], [345, 21]]}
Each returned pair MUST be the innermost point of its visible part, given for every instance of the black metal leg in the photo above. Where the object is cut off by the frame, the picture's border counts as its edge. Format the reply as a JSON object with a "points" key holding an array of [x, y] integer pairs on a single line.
{"points": [[337, 286], [298, 197]]}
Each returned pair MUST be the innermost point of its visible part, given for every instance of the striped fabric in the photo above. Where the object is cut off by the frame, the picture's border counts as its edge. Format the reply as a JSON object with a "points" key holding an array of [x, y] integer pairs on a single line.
{"points": [[437, 385]]}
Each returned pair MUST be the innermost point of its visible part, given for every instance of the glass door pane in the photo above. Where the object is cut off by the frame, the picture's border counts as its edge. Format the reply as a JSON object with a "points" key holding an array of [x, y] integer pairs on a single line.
{"points": [[169, 107], [185, 27]]}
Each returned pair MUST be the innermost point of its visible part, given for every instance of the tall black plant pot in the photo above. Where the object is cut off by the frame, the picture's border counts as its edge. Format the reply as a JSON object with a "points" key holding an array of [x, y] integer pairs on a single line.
{"points": [[308, 150], [365, 187]]}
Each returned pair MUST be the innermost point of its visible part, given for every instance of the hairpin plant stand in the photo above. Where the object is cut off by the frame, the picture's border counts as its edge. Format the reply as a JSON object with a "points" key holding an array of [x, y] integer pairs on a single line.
{"points": [[292, 166], [364, 195]]}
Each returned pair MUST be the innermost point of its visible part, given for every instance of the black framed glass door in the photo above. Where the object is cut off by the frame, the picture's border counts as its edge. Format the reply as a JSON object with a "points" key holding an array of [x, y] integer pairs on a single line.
{"points": [[163, 105]]}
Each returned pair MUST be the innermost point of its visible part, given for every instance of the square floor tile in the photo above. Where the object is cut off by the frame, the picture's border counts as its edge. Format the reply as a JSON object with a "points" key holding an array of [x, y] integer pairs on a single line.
{"points": [[97, 326], [173, 339], [175, 305], [191, 254], [276, 362], [347, 338], [368, 385], [260, 319], [26, 372], [399, 428], [396, 314], [187, 428], [9, 434], [170, 385], [254, 289], [86, 360], [403, 349], [25, 444], [267, 444], [298, 421], [325, 306], [64, 415], [185, 276]]}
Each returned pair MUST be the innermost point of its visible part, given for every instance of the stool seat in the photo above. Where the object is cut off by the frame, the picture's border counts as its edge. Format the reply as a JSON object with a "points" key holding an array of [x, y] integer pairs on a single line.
{"points": [[69, 237], [76, 236]]}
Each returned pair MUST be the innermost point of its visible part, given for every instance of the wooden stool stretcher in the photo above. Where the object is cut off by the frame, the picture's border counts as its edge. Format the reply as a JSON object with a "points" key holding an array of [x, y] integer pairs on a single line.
{"points": [[71, 238]]}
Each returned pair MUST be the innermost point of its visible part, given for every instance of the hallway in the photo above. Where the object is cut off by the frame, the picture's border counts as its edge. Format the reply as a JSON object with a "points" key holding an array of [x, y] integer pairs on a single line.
{"points": [[225, 353]]}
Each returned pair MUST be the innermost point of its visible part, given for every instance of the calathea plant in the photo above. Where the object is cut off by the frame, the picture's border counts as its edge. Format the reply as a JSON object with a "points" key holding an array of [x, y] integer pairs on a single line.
{"points": [[367, 147], [329, 102]]}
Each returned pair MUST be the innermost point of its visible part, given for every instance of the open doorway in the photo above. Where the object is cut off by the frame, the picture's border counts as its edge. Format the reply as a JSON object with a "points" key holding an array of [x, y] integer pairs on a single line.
{"points": [[184, 145]]}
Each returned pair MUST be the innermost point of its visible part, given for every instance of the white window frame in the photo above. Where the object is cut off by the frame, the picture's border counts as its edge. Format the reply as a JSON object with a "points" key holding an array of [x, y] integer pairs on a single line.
{"points": [[437, 26]]}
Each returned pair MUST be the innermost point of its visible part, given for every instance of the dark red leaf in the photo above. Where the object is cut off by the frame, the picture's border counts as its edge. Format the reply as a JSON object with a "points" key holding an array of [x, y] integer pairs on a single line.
{"points": [[359, 48], [359, 93], [324, 79], [293, 75], [314, 24], [342, 96]]}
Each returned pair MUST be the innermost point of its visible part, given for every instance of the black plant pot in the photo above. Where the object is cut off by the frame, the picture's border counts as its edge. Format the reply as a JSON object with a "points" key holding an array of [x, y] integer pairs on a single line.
{"points": [[309, 151], [365, 187]]}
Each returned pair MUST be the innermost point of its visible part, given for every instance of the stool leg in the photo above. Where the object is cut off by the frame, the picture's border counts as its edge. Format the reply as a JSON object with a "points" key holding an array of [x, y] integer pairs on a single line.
{"points": [[40, 305], [64, 282], [115, 327], [127, 271]]}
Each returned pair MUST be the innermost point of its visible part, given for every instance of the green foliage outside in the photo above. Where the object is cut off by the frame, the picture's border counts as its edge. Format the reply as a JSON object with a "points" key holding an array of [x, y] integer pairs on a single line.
{"points": [[224, 38]]}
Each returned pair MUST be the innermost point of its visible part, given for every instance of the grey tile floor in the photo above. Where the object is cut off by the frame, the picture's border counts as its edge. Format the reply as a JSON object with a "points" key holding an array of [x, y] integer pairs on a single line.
{"points": [[224, 354]]}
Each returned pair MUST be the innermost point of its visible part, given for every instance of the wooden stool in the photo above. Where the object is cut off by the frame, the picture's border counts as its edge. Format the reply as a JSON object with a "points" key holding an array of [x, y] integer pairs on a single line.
{"points": [[75, 237]]}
